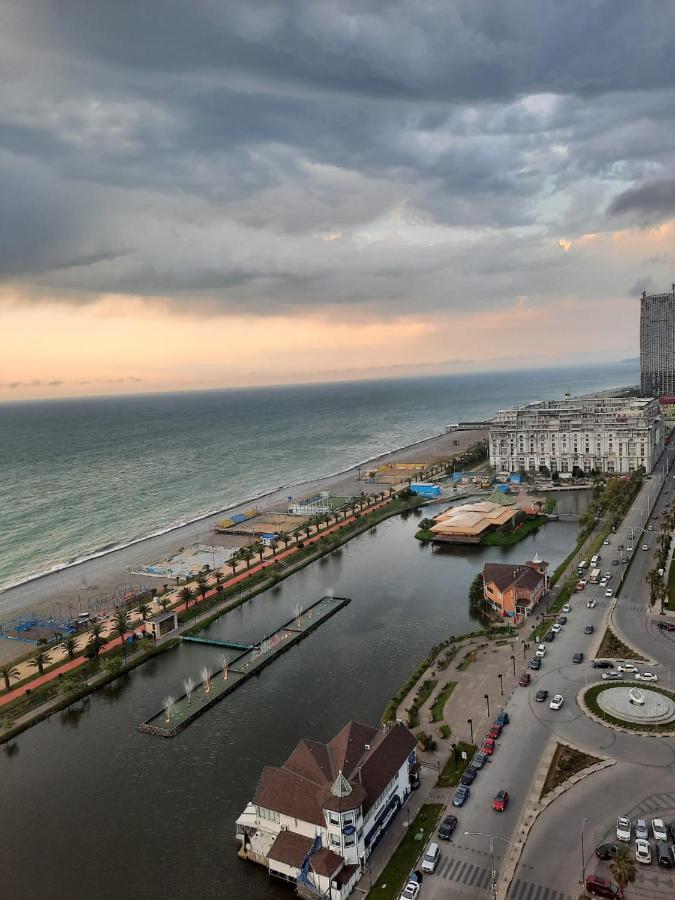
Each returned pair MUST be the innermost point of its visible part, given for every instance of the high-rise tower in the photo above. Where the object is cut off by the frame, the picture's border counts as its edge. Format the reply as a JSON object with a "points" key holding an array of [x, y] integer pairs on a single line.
{"points": [[657, 344]]}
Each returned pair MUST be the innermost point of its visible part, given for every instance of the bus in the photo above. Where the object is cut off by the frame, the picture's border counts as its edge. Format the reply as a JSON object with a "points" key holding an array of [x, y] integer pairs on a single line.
{"points": [[594, 577], [580, 568]]}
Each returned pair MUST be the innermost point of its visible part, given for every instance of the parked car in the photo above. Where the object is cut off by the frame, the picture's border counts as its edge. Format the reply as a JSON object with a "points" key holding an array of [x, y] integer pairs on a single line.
{"points": [[626, 667], [589, 629], [624, 828], [541, 650], [567, 608], [578, 657], [488, 746], [503, 718], [549, 637], [645, 547], [557, 702], [562, 620], [525, 679], [602, 887], [501, 801], [495, 731], [664, 854], [535, 663], [590, 604], [601, 664], [606, 851], [641, 830], [643, 852], [646, 676], [469, 775], [411, 891], [608, 592], [659, 830], [556, 627], [461, 795], [671, 828], [541, 696], [615, 562], [666, 626], [612, 676], [650, 527], [448, 825], [431, 857]]}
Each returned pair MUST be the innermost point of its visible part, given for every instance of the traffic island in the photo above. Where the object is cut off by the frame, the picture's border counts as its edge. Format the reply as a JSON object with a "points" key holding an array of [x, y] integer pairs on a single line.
{"points": [[629, 707]]}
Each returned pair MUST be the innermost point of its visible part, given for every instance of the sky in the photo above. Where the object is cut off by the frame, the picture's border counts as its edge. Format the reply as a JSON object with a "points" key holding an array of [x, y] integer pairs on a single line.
{"points": [[214, 194]]}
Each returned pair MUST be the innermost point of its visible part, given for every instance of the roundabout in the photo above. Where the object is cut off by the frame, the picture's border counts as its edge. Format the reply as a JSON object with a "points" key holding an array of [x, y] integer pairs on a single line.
{"points": [[626, 706]]}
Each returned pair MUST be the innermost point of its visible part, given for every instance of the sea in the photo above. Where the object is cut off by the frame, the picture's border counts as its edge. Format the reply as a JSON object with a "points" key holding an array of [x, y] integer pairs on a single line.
{"points": [[80, 477]]}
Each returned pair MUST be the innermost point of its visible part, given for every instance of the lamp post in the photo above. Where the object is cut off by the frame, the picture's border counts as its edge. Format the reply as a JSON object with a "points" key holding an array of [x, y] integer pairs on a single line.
{"points": [[583, 861], [493, 872], [513, 660], [469, 722], [487, 700], [501, 683]]}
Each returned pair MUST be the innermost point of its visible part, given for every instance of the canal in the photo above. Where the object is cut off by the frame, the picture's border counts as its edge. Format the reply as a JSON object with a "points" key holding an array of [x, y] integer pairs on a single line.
{"points": [[91, 808]]}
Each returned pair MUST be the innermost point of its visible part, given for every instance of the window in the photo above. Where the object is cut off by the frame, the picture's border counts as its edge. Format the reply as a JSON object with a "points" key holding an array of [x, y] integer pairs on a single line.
{"points": [[350, 841], [333, 818], [335, 840]]}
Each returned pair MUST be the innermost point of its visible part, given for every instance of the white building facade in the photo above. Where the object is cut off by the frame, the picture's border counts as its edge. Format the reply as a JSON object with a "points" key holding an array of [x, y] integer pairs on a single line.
{"points": [[605, 434], [315, 820]]}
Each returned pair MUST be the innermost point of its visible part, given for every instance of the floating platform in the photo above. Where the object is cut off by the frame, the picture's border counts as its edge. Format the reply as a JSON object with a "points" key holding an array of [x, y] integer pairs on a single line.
{"points": [[239, 669]]}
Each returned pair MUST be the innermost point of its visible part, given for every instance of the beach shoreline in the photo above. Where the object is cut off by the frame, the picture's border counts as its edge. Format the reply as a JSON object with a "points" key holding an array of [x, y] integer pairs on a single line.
{"points": [[72, 585]]}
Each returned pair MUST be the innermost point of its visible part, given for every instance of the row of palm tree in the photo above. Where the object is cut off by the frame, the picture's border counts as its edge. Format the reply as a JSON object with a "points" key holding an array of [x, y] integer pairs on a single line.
{"points": [[658, 583]]}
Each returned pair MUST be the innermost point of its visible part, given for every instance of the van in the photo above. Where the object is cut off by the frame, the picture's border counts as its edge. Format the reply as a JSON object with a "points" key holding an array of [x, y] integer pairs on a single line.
{"points": [[431, 857], [595, 559], [601, 887], [582, 565]]}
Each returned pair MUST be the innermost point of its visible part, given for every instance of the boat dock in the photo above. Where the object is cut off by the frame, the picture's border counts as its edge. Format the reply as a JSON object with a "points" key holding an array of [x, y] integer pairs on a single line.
{"points": [[177, 714]]}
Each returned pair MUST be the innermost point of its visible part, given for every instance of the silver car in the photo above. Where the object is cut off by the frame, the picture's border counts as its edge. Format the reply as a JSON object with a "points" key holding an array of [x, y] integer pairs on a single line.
{"points": [[641, 830]]}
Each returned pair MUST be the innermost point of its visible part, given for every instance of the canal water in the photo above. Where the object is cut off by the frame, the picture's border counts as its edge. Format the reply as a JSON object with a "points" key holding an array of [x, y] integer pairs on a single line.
{"points": [[90, 808]]}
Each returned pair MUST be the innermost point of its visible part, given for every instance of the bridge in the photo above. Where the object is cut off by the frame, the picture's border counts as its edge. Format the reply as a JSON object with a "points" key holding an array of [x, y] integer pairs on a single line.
{"points": [[234, 645]]}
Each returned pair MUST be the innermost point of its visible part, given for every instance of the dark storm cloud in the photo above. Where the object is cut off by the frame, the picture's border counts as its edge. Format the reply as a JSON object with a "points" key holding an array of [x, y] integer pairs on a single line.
{"points": [[652, 202], [270, 155]]}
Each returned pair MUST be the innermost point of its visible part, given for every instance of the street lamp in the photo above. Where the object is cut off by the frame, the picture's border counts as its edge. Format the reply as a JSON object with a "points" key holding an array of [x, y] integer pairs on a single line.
{"points": [[493, 872], [487, 700], [501, 684], [469, 722], [513, 660], [583, 861]]}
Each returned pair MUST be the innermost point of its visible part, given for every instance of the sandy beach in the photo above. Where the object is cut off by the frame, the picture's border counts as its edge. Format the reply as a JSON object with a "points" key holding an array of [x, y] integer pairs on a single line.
{"points": [[75, 586]]}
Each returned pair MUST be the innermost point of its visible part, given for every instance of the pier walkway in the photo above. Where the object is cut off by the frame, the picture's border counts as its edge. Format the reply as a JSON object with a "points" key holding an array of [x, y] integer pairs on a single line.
{"points": [[232, 645]]}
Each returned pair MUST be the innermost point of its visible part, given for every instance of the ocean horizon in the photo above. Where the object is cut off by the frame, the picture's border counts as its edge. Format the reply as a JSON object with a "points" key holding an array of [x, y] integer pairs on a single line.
{"points": [[83, 476]]}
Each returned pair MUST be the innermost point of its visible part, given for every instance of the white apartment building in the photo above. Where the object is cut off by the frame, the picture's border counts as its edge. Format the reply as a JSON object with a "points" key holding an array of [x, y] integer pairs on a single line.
{"points": [[316, 819], [604, 434]]}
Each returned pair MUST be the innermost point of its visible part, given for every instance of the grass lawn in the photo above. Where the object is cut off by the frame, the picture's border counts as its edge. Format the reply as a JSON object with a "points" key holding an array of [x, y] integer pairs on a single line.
{"points": [[591, 698], [509, 538], [612, 648], [439, 703], [566, 762], [468, 659], [454, 768], [390, 883]]}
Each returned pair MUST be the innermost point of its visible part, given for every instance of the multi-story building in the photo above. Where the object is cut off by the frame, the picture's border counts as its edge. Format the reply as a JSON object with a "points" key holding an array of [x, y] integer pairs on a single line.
{"points": [[602, 434], [514, 591], [315, 820], [657, 344]]}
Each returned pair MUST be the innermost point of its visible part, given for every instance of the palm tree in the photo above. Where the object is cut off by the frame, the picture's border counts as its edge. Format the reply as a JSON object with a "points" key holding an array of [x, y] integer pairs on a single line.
{"points": [[8, 672], [70, 646], [653, 580], [202, 587], [186, 596], [40, 659], [247, 555], [143, 608], [273, 547], [121, 625], [623, 867], [163, 602], [95, 641], [284, 537], [233, 561], [259, 548]]}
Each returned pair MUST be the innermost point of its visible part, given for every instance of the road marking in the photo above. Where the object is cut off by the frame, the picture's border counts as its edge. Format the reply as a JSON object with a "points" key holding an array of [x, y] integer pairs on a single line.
{"points": [[527, 890]]}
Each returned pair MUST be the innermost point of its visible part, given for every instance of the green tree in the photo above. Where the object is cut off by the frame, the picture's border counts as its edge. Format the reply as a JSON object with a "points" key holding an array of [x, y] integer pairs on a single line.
{"points": [[259, 548], [186, 596], [164, 602], [233, 561], [202, 587], [121, 624], [70, 646], [623, 867], [247, 555], [40, 659], [8, 671], [143, 608]]}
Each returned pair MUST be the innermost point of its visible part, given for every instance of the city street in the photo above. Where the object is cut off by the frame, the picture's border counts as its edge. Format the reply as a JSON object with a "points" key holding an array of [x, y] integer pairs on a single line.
{"points": [[640, 783]]}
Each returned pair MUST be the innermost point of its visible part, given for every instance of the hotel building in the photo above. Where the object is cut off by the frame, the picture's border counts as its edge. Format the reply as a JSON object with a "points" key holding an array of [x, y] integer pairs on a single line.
{"points": [[657, 344], [315, 820], [605, 434]]}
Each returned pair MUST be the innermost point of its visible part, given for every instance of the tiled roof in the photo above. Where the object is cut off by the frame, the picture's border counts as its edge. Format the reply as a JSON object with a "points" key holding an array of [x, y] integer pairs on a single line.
{"points": [[290, 848], [285, 792], [325, 862], [505, 576], [349, 745]]}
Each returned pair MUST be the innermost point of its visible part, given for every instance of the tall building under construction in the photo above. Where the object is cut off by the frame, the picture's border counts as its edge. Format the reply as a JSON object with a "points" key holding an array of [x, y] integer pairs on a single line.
{"points": [[657, 344]]}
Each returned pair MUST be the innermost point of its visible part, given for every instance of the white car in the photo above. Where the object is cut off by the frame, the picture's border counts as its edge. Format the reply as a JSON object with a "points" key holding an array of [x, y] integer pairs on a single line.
{"points": [[643, 852], [590, 604], [557, 702], [612, 676], [541, 651], [556, 627], [650, 527], [627, 667], [645, 547], [623, 829], [646, 676], [567, 608], [608, 592], [606, 542], [659, 830], [410, 891], [629, 549]]}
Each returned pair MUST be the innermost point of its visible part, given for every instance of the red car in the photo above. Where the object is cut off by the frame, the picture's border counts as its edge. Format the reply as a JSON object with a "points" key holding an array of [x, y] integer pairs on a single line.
{"points": [[495, 731], [524, 679], [488, 746], [501, 801]]}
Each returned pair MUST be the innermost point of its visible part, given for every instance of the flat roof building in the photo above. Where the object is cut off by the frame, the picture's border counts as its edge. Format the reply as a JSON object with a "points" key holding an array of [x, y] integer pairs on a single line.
{"points": [[466, 524], [657, 343], [601, 434]]}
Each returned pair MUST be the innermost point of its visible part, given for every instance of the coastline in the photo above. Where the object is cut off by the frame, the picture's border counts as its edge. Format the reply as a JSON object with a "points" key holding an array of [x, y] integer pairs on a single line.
{"points": [[103, 572]]}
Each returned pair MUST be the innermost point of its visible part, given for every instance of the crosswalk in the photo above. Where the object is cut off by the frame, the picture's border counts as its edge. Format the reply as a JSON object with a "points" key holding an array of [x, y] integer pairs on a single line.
{"points": [[527, 890], [477, 878]]}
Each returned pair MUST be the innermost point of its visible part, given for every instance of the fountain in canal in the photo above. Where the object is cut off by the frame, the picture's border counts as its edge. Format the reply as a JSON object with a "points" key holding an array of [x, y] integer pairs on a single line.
{"points": [[188, 684], [206, 678]]}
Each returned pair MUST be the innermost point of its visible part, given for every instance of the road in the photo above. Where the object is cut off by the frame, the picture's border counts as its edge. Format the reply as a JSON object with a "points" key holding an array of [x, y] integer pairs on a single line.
{"points": [[640, 781]]}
